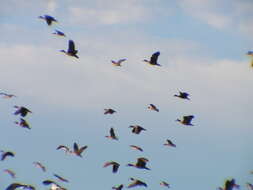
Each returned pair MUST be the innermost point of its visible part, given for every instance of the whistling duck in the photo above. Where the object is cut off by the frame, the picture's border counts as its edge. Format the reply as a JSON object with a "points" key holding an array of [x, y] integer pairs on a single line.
{"points": [[112, 135], [165, 184], [153, 107], [115, 166], [5, 154], [153, 59], [136, 182], [10, 172], [109, 111], [14, 186], [183, 95], [230, 184], [23, 111], [118, 63], [136, 147], [141, 163], [136, 129], [71, 50], [169, 143], [5, 95], [250, 186], [59, 33], [78, 151], [23, 123], [118, 187], [49, 19], [186, 120]]}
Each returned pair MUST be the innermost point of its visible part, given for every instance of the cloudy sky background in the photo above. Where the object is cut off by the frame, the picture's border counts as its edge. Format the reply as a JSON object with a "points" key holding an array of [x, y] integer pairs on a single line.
{"points": [[202, 44]]}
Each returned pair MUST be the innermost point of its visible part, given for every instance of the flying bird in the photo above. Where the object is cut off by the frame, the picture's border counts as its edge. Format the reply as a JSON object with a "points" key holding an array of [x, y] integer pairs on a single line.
{"points": [[10, 172], [5, 95], [49, 19], [153, 59], [39, 165], [136, 182], [5, 154], [165, 184], [136, 147], [78, 151], [71, 50], [169, 143], [153, 107], [141, 163], [115, 166], [118, 187], [65, 148], [14, 186], [230, 184], [186, 120], [59, 33], [54, 185], [118, 63], [23, 123], [112, 135], [109, 111], [23, 111], [61, 178], [183, 95], [137, 129]]}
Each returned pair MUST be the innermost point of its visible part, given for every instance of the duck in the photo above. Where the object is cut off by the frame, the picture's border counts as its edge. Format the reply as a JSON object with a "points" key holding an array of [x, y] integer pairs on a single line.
{"points": [[141, 163], [54, 185], [153, 107], [71, 50], [23, 111], [118, 187], [169, 143], [118, 63], [59, 33], [40, 165], [109, 111], [49, 19], [230, 184], [136, 182], [6, 154], [183, 95], [136, 147], [186, 120], [115, 165], [153, 59], [23, 123], [137, 129], [112, 135], [78, 151]]}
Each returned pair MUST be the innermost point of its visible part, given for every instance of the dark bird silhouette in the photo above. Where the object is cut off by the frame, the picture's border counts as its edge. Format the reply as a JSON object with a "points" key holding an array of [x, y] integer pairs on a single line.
{"points": [[137, 129], [169, 143], [230, 184], [39, 165], [153, 59], [5, 95], [49, 19], [59, 33], [153, 107], [23, 111], [183, 95], [118, 187], [136, 182], [78, 151], [136, 147], [112, 135], [141, 163], [61, 178], [5, 154], [14, 186], [165, 184], [118, 63], [65, 148], [10, 172], [115, 166], [186, 120], [71, 50], [23, 123], [109, 111], [54, 185]]}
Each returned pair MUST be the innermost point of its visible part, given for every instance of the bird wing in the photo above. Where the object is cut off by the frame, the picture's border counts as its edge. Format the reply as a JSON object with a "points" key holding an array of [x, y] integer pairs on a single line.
{"points": [[115, 167], [12, 174], [82, 149], [187, 119], [48, 182], [121, 60], [61, 178], [5, 154], [112, 133], [136, 147], [63, 147], [75, 146], [154, 57], [13, 186], [71, 46]]}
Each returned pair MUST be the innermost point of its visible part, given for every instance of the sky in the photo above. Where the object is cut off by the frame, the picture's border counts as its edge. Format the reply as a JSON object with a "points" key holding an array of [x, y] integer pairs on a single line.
{"points": [[203, 46]]}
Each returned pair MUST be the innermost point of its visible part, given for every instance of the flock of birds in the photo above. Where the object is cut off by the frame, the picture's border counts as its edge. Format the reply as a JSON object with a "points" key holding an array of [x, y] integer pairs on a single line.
{"points": [[77, 150]]}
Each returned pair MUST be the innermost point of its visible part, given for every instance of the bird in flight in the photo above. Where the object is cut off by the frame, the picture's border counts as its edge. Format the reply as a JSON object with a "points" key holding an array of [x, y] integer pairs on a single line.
{"points": [[54, 185], [49, 19], [23, 111], [78, 151], [153, 107], [118, 63], [136, 147], [10, 172], [112, 135], [5, 95], [5, 154], [136, 182], [169, 143], [141, 163], [115, 166], [59, 33], [165, 184], [183, 95], [230, 184], [137, 129], [39, 165], [65, 148], [118, 187], [71, 50], [14, 186], [186, 120], [153, 59], [23, 123], [109, 111], [61, 178]]}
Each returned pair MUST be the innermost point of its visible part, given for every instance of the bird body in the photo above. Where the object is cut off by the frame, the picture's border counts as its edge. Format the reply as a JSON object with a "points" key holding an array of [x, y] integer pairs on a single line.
{"points": [[118, 63], [109, 111], [153, 107], [169, 143], [23, 111], [71, 50], [183, 95], [23, 123], [49, 19], [115, 165], [112, 135], [230, 184], [153, 59], [137, 129], [141, 163], [186, 120]]}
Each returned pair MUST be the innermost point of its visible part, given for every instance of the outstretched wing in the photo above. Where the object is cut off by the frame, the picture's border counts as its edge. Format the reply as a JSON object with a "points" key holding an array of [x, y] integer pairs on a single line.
{"points": [[71, 46], [154, 57]]}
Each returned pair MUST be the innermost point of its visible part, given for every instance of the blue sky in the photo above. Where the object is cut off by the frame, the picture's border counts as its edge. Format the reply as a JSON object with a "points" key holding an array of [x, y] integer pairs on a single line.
{"points": [[203, 45]]}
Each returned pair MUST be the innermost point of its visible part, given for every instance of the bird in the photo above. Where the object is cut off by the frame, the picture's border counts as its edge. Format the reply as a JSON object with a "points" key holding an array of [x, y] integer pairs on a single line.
{"points": [[136, 147], [112, 135], [61, 178], [78, 151], [10, 172], [58, 33], [183, 95], [115, 165], [137, 129], [118, 63], [109, 111], [39, 165], [54, 185], [153, 107], [5, 154], [23, 111], [230, 184], [14, 186], [5, 95], [141, 163], [186, 120], [118, 187], [136, 182], [71, 50], [153, 59], [23, 123], [165, 184], [49, 19], [169, 143], [65, 148]]}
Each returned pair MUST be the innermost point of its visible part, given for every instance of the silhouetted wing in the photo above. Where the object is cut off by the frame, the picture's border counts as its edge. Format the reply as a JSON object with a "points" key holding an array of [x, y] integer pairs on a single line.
{"points": [[121, 60], [48, 182], [61, 178], [115, 168], [5, 154], [13, 186], [187, 119], [112, 133], [82, 149], [10, 172], [71, 46], [75, 147], [119, 187], [62, 147], [154, 57]]}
